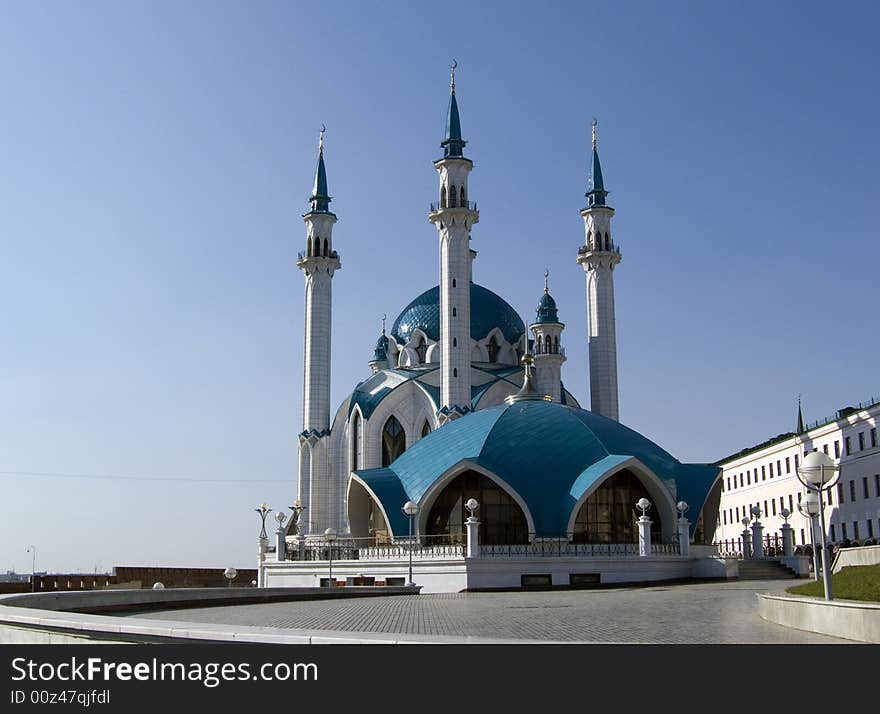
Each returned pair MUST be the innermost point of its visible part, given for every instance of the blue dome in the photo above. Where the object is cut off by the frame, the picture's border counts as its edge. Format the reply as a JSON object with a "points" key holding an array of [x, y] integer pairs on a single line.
{"points": [[547, 311], [550, 454], [488, 311], [381, 351]]}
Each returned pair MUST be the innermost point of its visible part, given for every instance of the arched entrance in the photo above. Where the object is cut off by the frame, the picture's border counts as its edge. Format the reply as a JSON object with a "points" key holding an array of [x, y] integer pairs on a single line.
{"points": [[609, 514], [502, 521]]}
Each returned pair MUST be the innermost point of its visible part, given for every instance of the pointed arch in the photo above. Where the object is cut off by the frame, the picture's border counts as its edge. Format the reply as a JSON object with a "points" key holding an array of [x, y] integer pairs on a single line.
{"points": [[443, 197], [452, 196], [354, 438], [393, 440], [426, 428], [547, 344], [309, 246], [326, 248], [461, 200], [492, 347]]}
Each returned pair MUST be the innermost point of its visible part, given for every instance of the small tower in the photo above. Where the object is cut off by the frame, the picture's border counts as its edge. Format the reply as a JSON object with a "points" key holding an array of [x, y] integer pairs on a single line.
{"points": [[318, 263], [548, 351], [380, 354], [454, 214], [599, 256]]}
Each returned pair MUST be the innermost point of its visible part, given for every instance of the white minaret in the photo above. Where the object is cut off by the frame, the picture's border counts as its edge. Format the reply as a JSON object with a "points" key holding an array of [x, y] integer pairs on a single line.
{"points": [[454, 215], [599, 256], [549, 354], [318, 263]]}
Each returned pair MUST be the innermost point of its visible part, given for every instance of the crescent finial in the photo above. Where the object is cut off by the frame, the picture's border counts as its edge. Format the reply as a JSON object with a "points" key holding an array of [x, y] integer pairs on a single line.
{"points": [[546, 280], [452, 75], [595, 124], [321, 138]]}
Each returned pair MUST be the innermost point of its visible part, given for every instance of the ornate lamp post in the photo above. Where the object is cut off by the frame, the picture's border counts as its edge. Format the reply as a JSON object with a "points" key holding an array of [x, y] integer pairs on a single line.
{"points": [[818, 472], [330, 536], [230, 574], [809, 508], [644, 523], [263, 511], [411, 509]]}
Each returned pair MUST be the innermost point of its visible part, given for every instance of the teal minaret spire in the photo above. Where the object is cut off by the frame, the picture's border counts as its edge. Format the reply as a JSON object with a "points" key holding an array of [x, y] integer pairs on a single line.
{"points": [[453, 144], [320, 198], [800, 417], [597, 193]]}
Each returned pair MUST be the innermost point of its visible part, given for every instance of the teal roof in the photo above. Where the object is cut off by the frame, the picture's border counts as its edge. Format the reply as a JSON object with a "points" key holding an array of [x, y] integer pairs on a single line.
{"points": [[547, 311], [488, 311], [548, 453], [320, 197], [597, 193], [452, 142]]}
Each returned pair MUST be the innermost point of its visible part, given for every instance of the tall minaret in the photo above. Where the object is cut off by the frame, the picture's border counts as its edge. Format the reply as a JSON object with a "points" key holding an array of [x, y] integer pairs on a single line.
{"points": [[454, 215], [549, 354], [318, 263], [599, 255]]}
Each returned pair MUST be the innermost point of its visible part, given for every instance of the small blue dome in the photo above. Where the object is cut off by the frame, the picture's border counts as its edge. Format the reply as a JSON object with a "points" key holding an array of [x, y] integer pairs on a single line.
{"points": [[547, 311], [488, 311], [550, 454], [381, 351]]}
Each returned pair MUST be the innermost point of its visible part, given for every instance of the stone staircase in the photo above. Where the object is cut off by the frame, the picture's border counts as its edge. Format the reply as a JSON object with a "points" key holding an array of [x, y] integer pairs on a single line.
{"points": [[764, 569]]}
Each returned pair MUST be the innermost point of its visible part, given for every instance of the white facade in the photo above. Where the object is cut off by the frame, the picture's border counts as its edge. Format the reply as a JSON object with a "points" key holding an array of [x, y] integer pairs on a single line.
{"points": [[765, 477]]}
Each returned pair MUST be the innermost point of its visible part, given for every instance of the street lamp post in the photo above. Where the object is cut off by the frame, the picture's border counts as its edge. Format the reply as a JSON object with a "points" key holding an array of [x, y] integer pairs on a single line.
{"points": [[264, 511], [819, 472], [330, 536], [809, 508], [411, 509], [32, 549]]}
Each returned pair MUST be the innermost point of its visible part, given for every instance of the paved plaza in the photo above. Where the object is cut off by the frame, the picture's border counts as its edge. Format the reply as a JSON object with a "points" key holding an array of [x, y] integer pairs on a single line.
{"points": [[709, 613]]}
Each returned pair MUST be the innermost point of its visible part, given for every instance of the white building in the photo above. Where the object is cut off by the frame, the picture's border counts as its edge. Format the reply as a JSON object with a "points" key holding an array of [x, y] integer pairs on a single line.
{"points": [[764, 476]]}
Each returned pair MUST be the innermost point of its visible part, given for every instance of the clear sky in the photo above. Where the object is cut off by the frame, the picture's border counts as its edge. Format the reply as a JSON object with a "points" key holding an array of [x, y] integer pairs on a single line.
{"points": [[156, 157]]}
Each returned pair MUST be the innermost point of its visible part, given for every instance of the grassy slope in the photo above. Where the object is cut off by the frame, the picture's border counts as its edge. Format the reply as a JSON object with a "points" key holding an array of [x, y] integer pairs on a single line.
{"points": [[855, 583]]}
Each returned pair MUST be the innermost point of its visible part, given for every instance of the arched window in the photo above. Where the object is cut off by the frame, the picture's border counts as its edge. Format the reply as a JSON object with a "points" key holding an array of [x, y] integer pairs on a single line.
{"points": [[455, 342], [461, 201], [556, 345], [452, 196], [393, 441], [326, 248], [547, 344], [609, 514], [607, 242], [443, 197], [590, 239], [355, 428], [454, 371], [502, 521], [492, 348], [453, 282], [454, 312], [422, 350], [309, 246], [426, 429]]}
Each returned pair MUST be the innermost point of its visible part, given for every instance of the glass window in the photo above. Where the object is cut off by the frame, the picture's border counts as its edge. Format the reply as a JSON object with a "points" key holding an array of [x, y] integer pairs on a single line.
{"points": [[779, 468], [724, 515], [728, 483], [843, 531], [837, 449], [748, 478], [861, 444], [803, 541], [787, 465], [355, 428], [877, 485], [825, 448], [773, 503], [608, 516], [839, 493], [830, 500], [865, 493], [393, 441], [763, 474], [833, 537], [766, 511], [852, 490], [790, 503], [874, 436], [870, 528], [856, 530], [737, 514], [781, 503], [847, 445], [771, 469], [502, 521]]}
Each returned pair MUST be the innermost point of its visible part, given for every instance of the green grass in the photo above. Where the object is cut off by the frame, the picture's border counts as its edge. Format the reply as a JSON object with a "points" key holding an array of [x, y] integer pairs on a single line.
{"points": [[854, 583]]}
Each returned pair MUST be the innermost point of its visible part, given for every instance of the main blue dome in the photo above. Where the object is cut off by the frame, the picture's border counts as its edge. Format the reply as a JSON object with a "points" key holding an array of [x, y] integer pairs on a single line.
{"points": [[488, 311]]}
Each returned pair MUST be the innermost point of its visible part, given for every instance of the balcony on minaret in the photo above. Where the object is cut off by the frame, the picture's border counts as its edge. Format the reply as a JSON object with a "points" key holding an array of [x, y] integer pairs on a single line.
{"points": [[462, 205]]}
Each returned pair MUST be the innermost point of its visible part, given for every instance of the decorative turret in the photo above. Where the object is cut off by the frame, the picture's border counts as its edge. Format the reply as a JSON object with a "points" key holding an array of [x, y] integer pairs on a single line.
{"points": [[549, 354], [318, 263], [380, 354], [599, 256], [454, 215], [528, 392]]}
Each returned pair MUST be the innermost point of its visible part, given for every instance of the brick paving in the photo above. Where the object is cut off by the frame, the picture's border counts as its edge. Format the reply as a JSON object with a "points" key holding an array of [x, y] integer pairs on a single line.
{"points": [[714, 613]]}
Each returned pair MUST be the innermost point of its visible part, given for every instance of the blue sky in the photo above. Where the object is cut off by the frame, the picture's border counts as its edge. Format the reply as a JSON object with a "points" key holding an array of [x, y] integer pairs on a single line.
{"points": [[155, 160]]}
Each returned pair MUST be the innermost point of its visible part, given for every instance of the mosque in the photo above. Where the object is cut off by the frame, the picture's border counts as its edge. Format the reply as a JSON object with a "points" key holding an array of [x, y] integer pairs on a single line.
{"points": [[465, 403]]}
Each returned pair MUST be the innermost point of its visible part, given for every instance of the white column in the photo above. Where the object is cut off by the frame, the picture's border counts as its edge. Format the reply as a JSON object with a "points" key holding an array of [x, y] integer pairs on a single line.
{"points": [[758, 539], [787, 539], [262, 544], [684, 536], [280, 545], [747, 543], [644, 536], [473, 537]]}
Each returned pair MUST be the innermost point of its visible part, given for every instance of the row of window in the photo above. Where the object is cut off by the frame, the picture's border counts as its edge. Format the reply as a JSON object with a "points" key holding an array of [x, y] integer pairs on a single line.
{"points": [[455, 199], [745, 479], [599, 243], [314, 249], [856, 534], [732, 515]]}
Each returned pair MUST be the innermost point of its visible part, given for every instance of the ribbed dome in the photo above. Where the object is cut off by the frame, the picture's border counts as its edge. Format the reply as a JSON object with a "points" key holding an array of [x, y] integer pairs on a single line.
{"points": [[488, 311], [547, 452]]}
